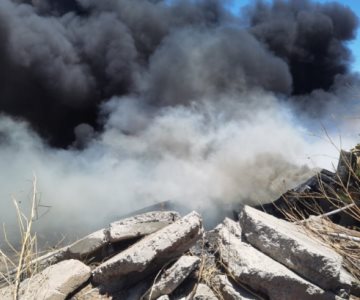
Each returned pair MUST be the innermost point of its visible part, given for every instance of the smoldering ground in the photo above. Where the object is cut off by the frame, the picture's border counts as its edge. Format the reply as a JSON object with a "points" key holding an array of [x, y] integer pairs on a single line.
{"points": [[119, 104]]}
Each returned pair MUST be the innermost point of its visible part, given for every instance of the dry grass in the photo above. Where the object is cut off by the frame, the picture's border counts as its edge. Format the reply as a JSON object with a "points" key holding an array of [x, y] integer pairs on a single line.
{"points": [[19, 264], [344, 241]]}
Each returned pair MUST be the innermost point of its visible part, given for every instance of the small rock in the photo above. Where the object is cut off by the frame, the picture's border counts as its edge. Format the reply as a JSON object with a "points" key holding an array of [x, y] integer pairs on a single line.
{"points": [[150, 253], [203, 292], [55, 282], [90, 293], [165, 297], [288, 244], [173, 277], [229, 291]]}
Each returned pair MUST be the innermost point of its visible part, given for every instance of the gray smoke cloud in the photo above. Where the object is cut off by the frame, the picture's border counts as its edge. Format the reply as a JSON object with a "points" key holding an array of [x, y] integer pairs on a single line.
{"points": [[116, 105]]}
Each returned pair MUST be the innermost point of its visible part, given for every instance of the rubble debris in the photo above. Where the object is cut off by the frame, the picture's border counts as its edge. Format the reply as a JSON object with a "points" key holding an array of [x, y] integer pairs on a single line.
{"points": [[203, 292], [90, 292], [229, 291], [88, 245], [55, 282], [288, 244], [158, 255], [151, 252], [140, 225], [263, 274], [173, 277]]}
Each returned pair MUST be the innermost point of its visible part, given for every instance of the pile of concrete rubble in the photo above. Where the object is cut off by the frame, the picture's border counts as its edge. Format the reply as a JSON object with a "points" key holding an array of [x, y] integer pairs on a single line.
{"points": [[161, 255]]}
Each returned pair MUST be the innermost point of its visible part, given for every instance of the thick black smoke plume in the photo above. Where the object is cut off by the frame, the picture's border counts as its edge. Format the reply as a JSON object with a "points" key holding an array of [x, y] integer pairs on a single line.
{"points": [[310, 37], [61, 59]]}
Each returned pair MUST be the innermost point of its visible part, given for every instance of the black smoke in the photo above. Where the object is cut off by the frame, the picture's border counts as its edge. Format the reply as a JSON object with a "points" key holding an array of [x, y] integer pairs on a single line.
{"points": [[310, 37], [60, 60]]}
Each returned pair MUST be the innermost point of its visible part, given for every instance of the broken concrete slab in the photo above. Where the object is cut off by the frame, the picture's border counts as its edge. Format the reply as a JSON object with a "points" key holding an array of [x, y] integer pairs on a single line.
{"points": [[150, 253], [229, 291], [55, 282], [203, 292], [263, 274], [88, 245], [39, 263], [173, 277], [125, 229], [140, 225], [288, 244]]}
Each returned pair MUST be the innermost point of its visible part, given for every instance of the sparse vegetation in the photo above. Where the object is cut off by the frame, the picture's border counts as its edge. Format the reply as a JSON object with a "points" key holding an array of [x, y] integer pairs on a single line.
{"points": [[341, 197], [21, 263]]}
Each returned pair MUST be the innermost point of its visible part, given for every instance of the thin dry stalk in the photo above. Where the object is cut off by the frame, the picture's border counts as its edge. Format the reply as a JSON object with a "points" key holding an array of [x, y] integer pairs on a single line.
{"points": [[21, 263], [330, 234], [28, 241], [330, 213]]}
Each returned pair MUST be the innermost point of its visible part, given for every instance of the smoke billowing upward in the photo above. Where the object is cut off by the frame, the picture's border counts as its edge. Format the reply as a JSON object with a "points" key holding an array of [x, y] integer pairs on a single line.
{"points": [[61, 59], [134, 101], [309, 37]]}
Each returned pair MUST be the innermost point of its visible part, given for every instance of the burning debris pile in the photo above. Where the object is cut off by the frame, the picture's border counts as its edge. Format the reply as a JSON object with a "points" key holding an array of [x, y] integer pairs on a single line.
{"points": [[120, 104], [161, 255]]}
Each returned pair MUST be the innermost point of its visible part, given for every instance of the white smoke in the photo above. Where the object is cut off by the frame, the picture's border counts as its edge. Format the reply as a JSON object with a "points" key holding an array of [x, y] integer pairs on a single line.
{"points": [[208, 154]]}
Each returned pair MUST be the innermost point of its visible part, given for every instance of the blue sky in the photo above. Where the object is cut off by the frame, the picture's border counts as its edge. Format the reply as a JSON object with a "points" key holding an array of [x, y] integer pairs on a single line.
{"points": [[353, 4]]}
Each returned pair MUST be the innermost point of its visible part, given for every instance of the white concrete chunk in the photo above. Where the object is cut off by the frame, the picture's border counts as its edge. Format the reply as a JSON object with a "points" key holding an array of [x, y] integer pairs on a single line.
{"points": [[288, 244], [203, 292], [141, 225], [151, 252], [262, 273], [40, 263], [125, 229], [87, 245], [53, 283], [173, 277], [228, 291]]}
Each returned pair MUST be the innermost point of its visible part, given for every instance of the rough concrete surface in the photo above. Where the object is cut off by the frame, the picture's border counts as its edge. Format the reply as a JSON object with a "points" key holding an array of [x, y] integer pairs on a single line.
{"points": [[288, 244], [262, 273], [229, 291], [54, 283], [141, 225], [151, 252], [173, 277], [88, 245], [203, 292]]}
